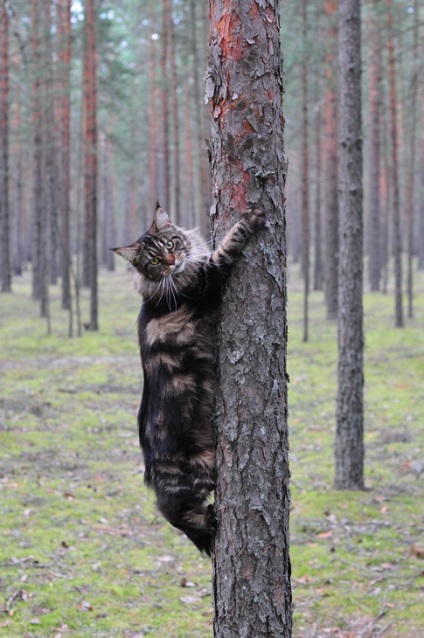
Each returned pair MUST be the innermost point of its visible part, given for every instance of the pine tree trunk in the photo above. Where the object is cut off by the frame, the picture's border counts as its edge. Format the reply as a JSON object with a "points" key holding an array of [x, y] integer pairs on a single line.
{"points": [[200, 148], [305, 176], [5, 263], [90, 158], [397, 243], [18, 251], [410, 193], [37, 243], [318, 265], [331, 166], [153, 132], [349, 449], [64, 56], [175, 125], [251, 563], [189, 189], [164, 179], [375, 93]]}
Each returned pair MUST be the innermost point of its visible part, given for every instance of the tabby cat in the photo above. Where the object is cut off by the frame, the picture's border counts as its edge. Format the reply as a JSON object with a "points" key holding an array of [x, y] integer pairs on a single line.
{"points": [[181, 283]]}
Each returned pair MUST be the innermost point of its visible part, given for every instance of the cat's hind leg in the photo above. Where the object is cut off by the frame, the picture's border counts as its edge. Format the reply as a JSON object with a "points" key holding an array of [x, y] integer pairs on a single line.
{"points": [[195, 517]]}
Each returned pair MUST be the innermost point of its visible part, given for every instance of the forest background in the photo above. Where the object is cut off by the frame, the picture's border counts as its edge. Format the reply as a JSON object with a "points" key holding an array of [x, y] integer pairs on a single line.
{"points": [[150, 130]]}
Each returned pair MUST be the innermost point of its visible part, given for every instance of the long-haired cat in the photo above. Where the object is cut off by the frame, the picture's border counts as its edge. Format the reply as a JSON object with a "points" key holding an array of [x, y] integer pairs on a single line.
{"points": [[181, 283]]}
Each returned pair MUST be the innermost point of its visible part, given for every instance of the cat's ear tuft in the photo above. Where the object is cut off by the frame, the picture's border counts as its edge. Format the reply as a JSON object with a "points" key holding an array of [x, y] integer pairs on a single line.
{"points": [[161, 220], [130, 253]]}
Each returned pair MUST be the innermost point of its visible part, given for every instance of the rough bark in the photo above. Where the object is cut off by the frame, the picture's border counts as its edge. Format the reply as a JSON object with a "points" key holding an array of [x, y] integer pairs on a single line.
{"points": [[349, 449], [331, 166], [251, 563], [5, 265]]}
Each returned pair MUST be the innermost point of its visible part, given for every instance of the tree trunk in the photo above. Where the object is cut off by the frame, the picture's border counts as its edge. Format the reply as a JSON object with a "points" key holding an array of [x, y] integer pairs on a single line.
{"points": [[331, 166], [90, 158], [175, 124], [5, 265], [375, 93], [64, 56], [305, 175], [164, 180], [18, 251], [318, 265], [410, 193], [37, 245], [251, 563], [108, 221], [397, 247], [153, 128], [349, 449], [200, 148]]}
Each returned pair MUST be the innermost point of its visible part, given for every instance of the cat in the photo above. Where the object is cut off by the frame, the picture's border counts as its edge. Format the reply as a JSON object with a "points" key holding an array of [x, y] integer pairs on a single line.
{"points": [[181, 282]]}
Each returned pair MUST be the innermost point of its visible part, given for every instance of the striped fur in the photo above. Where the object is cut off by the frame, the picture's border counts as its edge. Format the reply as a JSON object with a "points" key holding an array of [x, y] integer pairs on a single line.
{"points": [[181, 284]]}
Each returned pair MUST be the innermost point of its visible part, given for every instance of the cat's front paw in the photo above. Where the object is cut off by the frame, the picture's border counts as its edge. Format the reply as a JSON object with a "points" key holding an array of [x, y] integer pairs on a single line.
{"points": [[255, 218]]}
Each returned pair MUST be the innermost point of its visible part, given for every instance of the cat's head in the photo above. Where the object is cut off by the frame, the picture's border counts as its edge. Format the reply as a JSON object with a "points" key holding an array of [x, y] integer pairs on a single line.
{"points": [[160, 252], [165, 256]]}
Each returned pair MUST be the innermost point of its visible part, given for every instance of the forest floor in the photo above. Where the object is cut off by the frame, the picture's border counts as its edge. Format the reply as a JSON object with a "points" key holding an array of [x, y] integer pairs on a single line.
{"points": [[84, 553]]}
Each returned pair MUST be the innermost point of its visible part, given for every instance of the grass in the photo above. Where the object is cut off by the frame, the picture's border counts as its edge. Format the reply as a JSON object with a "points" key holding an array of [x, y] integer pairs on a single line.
{"points": [[84, 553]]}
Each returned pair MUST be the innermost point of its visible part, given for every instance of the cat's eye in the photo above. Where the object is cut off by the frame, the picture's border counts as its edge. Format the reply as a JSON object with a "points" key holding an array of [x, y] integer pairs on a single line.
{"points": [[169, 244], [154, 261]]}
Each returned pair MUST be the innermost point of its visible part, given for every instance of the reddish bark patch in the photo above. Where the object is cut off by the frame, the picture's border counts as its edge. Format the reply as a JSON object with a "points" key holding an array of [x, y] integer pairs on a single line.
{"points": [[230, 41]]}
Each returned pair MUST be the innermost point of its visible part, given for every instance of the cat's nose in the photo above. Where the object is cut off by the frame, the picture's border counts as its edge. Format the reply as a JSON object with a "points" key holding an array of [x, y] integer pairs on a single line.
{"points": [[168, 259]]}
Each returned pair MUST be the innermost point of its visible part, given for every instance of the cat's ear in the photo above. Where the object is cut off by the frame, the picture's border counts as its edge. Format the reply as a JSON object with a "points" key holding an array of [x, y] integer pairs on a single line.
{"points": [[161, 219], [130, 253]]}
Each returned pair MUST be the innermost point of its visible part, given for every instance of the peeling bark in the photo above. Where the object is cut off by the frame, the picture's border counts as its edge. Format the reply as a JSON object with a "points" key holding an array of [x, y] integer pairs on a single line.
{"points": [[251, 563]]}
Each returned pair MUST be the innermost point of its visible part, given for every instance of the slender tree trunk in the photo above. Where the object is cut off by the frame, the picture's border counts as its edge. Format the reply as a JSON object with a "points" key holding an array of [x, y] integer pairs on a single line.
{"points": [[153, 132], [188, 165], [331, 166], [375, 79], [421, 206], [18, 251], [49, 145], [201, 157], [108, 222], [397, 247], [64, 19], [349, 449], [251, 563], [165, 173], [5, 263], [318, 265], [90, 158], [37, 246], [175, 124], [410, 193], [305, 176]]}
